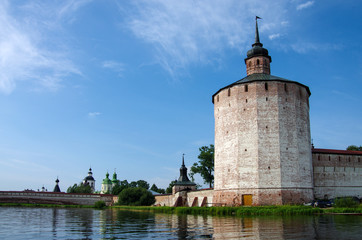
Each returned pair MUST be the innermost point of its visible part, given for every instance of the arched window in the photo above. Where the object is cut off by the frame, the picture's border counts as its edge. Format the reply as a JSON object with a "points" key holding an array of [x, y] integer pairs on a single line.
{"points": [[257, 62]]}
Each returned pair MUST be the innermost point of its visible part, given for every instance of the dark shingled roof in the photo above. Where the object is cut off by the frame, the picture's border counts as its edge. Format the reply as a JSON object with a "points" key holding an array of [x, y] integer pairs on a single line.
{"points": [[260, 77]]}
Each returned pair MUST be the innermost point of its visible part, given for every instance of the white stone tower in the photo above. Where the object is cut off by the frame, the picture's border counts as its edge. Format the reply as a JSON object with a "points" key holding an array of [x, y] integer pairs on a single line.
{"points": [[262, 137]]}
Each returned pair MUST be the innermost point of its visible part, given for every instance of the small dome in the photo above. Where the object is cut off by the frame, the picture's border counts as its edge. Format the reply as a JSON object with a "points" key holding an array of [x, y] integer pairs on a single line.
{"points": [[89, 178], [258, 50]]}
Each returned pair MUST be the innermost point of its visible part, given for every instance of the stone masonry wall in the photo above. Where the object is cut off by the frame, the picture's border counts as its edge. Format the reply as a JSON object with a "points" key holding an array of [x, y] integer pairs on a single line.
{"points": [[337, 175], [262, 144], [54, 198]]}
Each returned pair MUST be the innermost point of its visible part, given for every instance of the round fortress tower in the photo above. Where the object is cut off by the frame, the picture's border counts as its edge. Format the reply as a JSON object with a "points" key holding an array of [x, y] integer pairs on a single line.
{"points": [[262, 137]]}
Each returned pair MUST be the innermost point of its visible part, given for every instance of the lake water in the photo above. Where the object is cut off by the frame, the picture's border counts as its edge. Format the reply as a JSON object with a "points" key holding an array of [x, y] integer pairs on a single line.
{"points": [[55, 223]]}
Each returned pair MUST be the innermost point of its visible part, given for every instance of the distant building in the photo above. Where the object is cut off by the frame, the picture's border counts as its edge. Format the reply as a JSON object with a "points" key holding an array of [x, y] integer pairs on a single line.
{"points": [[89, 180], [183, 183], [56, 188], [107, 184], [115, 181]]}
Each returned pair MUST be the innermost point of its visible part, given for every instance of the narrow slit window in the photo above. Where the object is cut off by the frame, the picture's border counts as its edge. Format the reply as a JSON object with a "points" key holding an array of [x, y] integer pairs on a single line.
{"points": [[229, 92], [285, 87], [257, 62], [246, 88], [266, 86], [217, 98]]}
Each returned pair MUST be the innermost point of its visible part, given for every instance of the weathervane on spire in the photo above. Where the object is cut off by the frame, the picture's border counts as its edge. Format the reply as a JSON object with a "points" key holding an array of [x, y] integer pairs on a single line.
{"points": [[257, 40]]}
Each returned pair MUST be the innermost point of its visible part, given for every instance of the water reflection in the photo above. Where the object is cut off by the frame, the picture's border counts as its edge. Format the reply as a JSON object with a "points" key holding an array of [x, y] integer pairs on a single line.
{"points": [[45, 223]]}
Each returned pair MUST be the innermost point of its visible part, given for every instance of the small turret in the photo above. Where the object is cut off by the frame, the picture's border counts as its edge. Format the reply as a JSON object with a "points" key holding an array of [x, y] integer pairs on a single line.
{"points": [[258, 59], [56, 188], [183, 182]]}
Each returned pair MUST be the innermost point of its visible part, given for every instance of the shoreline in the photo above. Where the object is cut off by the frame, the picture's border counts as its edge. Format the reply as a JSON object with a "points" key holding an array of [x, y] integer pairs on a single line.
{"points": [[284, 210]]}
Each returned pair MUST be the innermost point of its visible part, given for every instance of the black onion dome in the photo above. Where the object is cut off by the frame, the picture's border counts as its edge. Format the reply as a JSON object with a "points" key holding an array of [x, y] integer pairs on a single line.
{"points": [[89, 178], [257, 49]]}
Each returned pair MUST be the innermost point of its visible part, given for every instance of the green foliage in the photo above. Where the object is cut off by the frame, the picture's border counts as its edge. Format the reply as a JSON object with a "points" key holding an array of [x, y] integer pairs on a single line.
{"points": [[100, 204], [156, 189], [205, 165], [354, 148], [170, 186], [80, 188], [136, 197], [346, 202], [118, 187], [143, 184], [286, 210]]}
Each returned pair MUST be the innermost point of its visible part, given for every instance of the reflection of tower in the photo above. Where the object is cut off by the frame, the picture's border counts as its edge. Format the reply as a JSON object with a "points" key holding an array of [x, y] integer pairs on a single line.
{"points": [[262, 137], [56, 188], [89, 180]]}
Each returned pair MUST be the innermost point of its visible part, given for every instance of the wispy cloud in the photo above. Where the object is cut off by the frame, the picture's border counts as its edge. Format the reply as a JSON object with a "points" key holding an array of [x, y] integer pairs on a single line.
{"points": [[305, 5], [93, 114], [27, 52], [114, 66], [189, 32], [304, 47], [274, 36]]}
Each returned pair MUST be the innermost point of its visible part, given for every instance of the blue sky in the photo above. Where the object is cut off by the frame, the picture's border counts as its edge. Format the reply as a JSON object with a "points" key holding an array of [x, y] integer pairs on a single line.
{"points": [[127, 85]]}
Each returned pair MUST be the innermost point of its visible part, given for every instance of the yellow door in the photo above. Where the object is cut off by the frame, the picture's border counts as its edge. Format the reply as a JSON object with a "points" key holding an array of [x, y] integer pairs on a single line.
{"points": [[247, 200]]}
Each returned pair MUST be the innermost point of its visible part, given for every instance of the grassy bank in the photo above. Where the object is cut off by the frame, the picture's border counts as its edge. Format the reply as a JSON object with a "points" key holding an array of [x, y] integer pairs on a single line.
{"points": [[286, 210], [232, 211]]}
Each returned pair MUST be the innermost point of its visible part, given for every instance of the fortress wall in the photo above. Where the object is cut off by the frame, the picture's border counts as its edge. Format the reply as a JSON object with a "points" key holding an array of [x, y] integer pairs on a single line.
{"points": [[295, 143], [200, 198], [165, 200], [235, 140], [54, 198], [337, 174]]}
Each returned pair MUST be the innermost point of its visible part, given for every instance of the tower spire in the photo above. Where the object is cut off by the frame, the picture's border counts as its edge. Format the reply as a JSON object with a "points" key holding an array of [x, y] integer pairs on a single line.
{"points": [[257, 39]]}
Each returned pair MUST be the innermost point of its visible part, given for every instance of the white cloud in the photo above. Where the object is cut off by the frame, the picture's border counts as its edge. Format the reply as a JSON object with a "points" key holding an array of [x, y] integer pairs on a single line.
{"points": [[304, 47], [25, 49], [189, 32], [274, 36], [115, 66], [93, 114], [305, 5]]}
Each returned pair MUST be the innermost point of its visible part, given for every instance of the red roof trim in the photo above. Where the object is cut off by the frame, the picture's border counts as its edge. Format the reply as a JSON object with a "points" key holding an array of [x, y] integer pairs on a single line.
{"points": [[334, 151]]}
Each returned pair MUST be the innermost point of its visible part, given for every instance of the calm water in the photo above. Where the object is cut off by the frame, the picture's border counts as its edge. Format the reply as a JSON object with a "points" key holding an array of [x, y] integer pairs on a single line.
{"points": [[47, 223]]}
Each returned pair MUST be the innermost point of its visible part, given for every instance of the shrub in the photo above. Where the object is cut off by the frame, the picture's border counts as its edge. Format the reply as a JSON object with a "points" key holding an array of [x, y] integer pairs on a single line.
{"points": [[136, 197], [344, 202], [100, 204]]}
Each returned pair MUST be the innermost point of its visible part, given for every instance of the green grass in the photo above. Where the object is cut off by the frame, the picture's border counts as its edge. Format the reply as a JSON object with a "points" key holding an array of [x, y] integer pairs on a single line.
{"points": [[232, 211]]}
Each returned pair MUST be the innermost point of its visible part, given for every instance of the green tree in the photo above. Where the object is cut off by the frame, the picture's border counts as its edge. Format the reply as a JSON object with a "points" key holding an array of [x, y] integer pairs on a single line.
{"points": [[156, 189], [80, 188], [170, 186], [205, 165], [119, 187], [136, 197], [354, 148], [143, 184]]}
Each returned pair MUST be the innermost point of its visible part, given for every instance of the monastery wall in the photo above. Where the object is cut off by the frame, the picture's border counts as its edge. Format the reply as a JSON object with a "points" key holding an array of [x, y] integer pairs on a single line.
{"points": [[54, 198], [337, 174]]}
